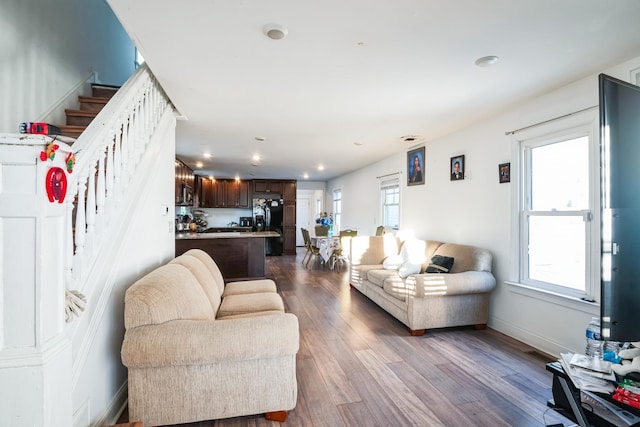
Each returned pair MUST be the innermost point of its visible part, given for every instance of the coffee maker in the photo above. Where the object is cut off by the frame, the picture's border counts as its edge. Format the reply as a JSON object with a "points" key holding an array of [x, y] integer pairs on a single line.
{"points": [[260, 222], [246, 221]]}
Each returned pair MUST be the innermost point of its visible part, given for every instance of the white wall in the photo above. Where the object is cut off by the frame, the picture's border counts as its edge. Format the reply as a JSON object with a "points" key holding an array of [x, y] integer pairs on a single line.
{"points": [[476, 211], [144, 241], [49, 47]]}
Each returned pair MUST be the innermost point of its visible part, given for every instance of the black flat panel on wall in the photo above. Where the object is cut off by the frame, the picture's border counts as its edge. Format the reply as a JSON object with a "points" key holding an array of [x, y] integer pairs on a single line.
{"points": [[620, 204]]}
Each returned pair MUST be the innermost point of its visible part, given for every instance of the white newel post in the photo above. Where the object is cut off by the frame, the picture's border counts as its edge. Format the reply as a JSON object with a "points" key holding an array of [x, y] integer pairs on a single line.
{"points": [[35, 356]]}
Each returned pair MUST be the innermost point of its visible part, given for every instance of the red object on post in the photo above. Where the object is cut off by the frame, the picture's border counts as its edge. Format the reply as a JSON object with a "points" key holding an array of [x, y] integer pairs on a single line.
{"points": [[56, 184]]}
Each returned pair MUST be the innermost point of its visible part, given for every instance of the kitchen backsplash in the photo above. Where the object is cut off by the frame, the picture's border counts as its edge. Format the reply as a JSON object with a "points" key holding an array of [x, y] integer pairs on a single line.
{"points": [[217, 217]]}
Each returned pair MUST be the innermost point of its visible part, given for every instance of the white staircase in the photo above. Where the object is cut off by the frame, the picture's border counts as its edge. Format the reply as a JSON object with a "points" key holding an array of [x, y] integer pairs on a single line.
{"points": [[114, 224]]}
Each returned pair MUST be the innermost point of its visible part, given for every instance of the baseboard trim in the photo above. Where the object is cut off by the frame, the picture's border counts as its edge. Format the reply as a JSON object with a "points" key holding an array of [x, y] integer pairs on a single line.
{"points": [[528, 337], [116, 407]]}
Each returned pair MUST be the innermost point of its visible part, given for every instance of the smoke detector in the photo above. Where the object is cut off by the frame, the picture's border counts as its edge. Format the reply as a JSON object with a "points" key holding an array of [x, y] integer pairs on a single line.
{"points": [[275, 31]]}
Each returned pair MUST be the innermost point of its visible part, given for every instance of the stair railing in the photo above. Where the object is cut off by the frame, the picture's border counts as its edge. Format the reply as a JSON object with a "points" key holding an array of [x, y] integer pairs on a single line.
{"points": [[107, 154]]}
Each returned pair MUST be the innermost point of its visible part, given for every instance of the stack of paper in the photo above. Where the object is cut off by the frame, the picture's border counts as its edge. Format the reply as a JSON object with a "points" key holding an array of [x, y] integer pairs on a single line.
{"points": [[587, 374]]}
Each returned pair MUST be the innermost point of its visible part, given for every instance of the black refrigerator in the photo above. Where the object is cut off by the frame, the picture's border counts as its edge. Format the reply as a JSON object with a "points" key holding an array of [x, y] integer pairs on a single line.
{"points": [[271, 212]]}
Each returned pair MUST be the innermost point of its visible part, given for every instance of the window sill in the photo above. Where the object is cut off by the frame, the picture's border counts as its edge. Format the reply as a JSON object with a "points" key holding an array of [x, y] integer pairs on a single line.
{"points": [[590, 307]]}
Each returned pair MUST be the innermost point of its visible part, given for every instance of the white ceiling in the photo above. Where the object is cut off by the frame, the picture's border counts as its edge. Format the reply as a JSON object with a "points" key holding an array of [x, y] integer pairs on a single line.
{"points": [[364, 72]]}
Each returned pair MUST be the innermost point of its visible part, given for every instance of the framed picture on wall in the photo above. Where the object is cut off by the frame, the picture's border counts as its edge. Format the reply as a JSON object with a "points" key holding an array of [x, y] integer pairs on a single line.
{"points": [[504, 172], [415, 166], [457, 168]]}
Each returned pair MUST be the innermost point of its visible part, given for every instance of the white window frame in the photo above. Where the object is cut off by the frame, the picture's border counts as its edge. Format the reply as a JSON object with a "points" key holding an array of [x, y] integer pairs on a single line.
{"points": [[386, 183], [337, 209], [562, 129]]}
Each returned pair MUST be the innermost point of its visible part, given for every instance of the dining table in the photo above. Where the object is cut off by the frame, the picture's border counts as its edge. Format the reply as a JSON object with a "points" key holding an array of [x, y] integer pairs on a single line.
{"points": [[326, 245]]}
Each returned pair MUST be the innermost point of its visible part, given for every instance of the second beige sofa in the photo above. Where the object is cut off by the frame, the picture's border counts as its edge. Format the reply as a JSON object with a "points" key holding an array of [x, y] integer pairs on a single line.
{"points": [[424, 300]]}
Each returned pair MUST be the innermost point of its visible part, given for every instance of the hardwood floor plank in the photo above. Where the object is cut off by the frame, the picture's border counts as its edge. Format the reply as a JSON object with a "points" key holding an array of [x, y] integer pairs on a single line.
{"points": [[398, 392], [447, 412], [513, 409], [323, 412], [334, 377], [357, 414]]}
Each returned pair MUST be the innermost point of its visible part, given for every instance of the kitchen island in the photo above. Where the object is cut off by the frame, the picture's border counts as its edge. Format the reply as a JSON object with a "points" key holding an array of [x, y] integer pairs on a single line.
{"points": [[239, 255]]}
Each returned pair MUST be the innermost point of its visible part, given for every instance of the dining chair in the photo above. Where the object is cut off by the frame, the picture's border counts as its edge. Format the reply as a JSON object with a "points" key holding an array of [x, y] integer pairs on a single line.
{"points": [[341, 255], [305, 233], [380, 231], [312, 251]]}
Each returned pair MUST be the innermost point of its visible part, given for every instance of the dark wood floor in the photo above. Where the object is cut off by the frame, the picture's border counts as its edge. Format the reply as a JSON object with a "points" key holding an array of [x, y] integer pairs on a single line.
{"points": [[358, 366]]}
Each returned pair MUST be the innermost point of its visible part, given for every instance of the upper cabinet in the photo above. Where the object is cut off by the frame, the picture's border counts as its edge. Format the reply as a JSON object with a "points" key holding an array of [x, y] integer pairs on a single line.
{"points": [[289, 191], [204, 192], [185, 181], [229, 193], [264, 186]]}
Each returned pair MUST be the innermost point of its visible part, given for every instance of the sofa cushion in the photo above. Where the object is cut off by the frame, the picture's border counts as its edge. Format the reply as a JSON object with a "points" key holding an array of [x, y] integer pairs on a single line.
{"points": [[206, 259], [256, 314], [204, 277], [249, 287], [168, 293], [440, 264], [395, 286], [468, 258], [377, 277], [250, 303], [431, 247]]}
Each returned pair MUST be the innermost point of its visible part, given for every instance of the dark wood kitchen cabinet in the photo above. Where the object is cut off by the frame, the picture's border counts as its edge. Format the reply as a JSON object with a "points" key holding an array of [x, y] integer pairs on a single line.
{"points": [[184, 181], [289, 217], [265, 186], [203, 192], [229, 193]]}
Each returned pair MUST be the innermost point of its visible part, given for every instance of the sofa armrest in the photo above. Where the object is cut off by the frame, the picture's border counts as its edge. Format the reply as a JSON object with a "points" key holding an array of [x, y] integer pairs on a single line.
{"points": [[186, 342], [436, 284]]}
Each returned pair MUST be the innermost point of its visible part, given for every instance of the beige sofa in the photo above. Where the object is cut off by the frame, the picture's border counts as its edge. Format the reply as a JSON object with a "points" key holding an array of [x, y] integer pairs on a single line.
{"points": [[424, 300], [197, 349]]}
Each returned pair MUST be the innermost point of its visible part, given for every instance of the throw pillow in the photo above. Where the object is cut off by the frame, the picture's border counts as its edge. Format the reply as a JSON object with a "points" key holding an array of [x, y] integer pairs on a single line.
{"points": [[409, 268], [393, 262], [440, 264], [413, 253]]}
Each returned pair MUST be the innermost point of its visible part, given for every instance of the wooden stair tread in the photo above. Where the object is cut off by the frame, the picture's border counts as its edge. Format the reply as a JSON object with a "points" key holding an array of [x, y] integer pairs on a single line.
{"points": [[72, 128], [94, 99], [100, 90], [80, 113]]}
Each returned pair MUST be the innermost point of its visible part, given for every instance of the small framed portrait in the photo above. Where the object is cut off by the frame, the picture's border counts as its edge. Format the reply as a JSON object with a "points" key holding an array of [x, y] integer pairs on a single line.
{"points": [[415, 166], [504, 172], [457, 168]]}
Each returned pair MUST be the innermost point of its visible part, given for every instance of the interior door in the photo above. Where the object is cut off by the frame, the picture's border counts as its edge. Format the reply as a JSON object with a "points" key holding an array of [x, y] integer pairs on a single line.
{"points": [[302, 217]]}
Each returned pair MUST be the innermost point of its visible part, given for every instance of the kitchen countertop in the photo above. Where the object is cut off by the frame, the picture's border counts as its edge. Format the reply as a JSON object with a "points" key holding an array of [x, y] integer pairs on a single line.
{"points": [[226, 235]]}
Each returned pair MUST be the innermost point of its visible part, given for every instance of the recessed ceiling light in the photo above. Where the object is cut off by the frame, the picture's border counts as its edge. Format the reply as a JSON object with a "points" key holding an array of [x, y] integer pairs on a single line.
{"points": [[256, 158], [486, 61], [320, 167], [206, 155], [305, 176], [211, 178], [358, 143], [275, 31], [199, 164]]}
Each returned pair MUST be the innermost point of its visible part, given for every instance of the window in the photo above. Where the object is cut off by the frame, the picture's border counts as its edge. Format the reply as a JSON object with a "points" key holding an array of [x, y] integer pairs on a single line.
{"points": [[558, 237], [337, 209], [390, 202]]}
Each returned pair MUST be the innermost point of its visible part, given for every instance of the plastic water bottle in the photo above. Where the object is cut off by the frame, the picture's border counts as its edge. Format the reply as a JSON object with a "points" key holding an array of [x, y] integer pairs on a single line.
{"points": [[594, 339]]}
